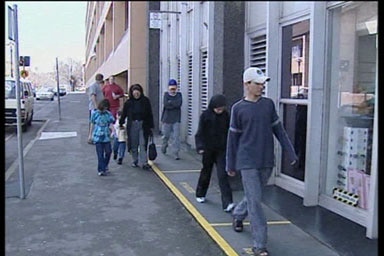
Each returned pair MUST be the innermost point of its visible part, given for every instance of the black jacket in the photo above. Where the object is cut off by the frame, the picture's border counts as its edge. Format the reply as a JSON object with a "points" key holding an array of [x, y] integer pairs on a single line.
{"points": [[213, 128]]}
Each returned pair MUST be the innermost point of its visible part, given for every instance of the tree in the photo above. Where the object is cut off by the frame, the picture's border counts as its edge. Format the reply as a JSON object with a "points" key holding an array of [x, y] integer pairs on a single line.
{"points": [[70, 73]]}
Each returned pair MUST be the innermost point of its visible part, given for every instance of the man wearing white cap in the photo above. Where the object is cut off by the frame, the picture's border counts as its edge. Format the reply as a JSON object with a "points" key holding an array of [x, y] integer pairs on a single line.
{"points": [[250, 150]]}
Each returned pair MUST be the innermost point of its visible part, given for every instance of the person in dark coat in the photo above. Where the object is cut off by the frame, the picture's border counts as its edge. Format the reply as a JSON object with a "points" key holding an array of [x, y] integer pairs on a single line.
{"points": [[138, 112], [211, 143]]}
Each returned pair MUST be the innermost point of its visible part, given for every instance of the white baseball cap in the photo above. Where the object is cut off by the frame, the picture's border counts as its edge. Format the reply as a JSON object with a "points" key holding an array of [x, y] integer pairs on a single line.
{"points": [[256, 75]]}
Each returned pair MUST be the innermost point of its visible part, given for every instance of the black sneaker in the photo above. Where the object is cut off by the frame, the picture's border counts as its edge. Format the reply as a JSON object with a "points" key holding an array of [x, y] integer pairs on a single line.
{"points": [[164, 149], [114, 156], [120, 161], [134, 164], [237, 225], [147, 167]]}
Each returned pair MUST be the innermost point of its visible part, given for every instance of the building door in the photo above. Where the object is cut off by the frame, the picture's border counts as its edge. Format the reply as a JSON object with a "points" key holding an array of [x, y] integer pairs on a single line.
{"points": [[294, 93]]}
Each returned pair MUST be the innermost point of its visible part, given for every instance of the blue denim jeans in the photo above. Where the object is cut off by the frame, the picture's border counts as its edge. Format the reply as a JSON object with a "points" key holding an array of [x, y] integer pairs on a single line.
{"points": [[119, 148], [171, 132], [254, 181], [103, 151]]}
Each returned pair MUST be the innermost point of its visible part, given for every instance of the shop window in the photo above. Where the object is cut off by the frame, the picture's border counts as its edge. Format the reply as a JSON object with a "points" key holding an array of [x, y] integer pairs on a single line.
{"points": [[351, 102]]}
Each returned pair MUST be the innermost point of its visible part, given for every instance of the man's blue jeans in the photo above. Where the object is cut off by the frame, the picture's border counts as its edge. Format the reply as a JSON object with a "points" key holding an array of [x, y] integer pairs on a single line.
{"points": [[171, 131], [254, 181]]}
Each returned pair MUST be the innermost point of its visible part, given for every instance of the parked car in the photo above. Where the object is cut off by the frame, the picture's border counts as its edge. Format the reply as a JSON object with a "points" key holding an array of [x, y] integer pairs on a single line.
{"points": [[62, 90], [45, 94], [26, 103]]}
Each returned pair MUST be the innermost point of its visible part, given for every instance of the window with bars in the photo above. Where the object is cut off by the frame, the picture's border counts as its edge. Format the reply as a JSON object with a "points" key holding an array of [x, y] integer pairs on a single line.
{"points": [[258, 52], [190, 105], [203, 81]]}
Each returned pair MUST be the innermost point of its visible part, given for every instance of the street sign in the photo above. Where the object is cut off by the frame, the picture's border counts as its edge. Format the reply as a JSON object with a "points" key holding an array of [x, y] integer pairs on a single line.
{"points": [[11, 24], [24, 61], [155, 20]]}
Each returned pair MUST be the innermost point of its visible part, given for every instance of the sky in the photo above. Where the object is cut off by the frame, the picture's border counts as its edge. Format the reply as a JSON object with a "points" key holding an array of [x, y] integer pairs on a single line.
{"points": [[50, 30]]}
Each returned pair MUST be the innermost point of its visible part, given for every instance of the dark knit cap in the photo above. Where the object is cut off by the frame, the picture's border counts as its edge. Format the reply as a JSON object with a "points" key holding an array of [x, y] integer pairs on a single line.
{"points": [[172, 82]]}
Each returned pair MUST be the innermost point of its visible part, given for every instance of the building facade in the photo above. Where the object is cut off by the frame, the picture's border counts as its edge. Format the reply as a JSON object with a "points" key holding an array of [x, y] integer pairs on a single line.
{"points": [[322, 58], [119, 43]]}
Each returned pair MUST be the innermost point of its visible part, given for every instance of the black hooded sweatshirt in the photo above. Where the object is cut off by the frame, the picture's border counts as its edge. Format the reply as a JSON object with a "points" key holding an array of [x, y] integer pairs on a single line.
{"points": [[213, 128]]}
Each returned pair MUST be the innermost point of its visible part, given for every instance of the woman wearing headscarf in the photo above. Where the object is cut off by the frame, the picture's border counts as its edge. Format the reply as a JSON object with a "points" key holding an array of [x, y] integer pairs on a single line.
{"points": [[138, 112]]}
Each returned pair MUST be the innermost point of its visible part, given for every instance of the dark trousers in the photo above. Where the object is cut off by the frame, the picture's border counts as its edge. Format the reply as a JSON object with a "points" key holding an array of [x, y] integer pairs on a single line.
{"points": [[211, 157]]}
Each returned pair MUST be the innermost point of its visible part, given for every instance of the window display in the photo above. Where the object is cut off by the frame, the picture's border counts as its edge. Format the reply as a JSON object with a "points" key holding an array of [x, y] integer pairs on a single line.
{"points": [[351, 102]]}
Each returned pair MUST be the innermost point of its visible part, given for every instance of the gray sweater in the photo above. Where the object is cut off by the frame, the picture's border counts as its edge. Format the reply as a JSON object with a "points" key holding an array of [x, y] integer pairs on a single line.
{"points": [[172, 108], [250, 139]]}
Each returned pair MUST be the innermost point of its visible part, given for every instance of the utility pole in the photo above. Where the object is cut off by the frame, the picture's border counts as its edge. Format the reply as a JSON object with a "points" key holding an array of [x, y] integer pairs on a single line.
{"points": [[58, 86], [13, 35]]}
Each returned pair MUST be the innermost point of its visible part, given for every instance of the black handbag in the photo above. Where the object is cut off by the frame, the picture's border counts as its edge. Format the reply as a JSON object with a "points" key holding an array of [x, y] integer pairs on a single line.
{"points": [[152, 152]]}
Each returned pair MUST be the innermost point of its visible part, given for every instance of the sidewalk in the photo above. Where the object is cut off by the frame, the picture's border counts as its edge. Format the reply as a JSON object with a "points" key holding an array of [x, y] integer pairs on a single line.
{"points": [[69, 210]]}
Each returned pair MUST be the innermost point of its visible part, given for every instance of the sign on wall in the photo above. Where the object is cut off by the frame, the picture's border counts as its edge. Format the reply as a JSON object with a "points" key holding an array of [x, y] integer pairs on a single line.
{"points": [[155, 20]]}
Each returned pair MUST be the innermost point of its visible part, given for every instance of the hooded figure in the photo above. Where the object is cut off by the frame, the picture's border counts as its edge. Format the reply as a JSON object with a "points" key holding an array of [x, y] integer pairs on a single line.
{"points": [[138, 111], [213, 127], [211, 143]]}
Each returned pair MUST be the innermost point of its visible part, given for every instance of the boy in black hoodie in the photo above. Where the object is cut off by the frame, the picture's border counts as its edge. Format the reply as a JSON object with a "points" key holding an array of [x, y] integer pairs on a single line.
{"points": [[211, 143]]}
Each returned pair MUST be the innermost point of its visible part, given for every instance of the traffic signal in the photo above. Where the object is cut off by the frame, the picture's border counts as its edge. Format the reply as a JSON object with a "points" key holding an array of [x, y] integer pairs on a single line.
{"points": [[24, 61]]}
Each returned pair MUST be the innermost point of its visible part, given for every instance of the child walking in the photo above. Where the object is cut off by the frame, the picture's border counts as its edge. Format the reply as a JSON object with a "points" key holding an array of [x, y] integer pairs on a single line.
{"points": [[211, 142], [100, 133], [119, 140]]}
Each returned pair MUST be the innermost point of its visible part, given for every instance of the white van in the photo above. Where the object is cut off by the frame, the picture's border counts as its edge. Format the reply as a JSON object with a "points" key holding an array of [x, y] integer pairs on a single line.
{"points": [[26, 102]]}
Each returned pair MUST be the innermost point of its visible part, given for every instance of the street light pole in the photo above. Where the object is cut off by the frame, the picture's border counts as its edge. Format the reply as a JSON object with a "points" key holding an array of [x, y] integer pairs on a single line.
{"points": [[18, 100]]}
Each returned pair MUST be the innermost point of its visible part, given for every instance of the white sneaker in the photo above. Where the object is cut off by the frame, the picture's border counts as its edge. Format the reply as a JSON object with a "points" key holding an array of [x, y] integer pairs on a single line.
{"points": [[200, 199], [229, 207]]}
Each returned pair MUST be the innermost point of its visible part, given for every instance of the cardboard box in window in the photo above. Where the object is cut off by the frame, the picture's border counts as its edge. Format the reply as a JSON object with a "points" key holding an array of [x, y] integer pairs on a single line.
{"points": [[358, 183]]}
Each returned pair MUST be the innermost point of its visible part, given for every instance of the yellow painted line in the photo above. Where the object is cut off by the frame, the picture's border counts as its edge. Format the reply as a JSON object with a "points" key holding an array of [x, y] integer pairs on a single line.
{"points": [[274, 222], [181, 171], [195, 213]]}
